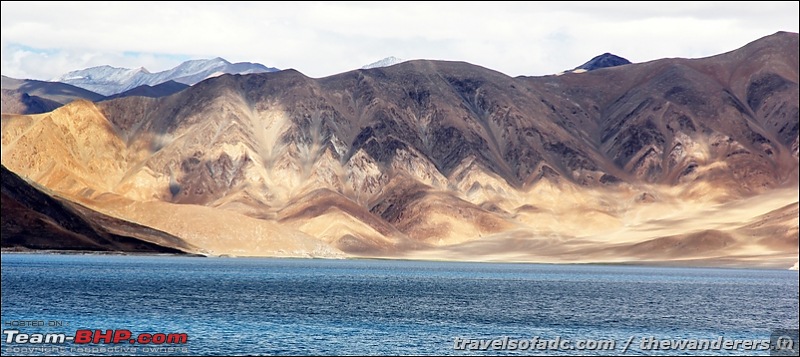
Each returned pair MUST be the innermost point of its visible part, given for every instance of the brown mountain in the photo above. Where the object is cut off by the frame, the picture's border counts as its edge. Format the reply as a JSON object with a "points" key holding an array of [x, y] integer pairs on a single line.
{"points": [[156, 91], [448, 160], [27, 96], [34, 219], [22, 103]]}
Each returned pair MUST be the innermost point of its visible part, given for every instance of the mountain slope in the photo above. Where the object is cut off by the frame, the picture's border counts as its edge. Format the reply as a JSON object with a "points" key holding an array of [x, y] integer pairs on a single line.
{"points": [[443, 159], [679, 120], [108, 80], [32, 219]]}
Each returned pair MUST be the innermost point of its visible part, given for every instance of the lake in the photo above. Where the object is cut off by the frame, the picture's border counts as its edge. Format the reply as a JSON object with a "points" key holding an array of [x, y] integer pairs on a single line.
{"points": [[310, 306]]}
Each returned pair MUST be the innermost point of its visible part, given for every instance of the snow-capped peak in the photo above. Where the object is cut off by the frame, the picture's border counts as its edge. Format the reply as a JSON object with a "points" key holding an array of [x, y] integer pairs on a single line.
{"points": [[386, 62], [104, 73], [107, 80]]}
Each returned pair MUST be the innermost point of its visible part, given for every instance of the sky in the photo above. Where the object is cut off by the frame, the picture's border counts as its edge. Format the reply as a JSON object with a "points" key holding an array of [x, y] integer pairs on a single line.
{"points": [[42, 40]]}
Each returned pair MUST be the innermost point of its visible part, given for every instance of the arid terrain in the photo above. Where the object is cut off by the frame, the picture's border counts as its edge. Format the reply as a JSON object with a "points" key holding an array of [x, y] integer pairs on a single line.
{"points": [[674, 161]]}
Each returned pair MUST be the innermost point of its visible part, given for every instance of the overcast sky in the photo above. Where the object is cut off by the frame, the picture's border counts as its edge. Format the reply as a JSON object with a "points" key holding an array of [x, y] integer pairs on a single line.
{"points": [[43, 40]]}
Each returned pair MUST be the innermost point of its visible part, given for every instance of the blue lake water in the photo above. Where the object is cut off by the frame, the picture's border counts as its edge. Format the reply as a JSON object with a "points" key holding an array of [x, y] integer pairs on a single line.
{"points": [[303, 306]]}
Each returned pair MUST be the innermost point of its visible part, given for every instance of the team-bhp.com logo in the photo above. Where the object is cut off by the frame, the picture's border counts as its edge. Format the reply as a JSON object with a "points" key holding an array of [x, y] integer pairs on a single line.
{"points": [[95, 337]]}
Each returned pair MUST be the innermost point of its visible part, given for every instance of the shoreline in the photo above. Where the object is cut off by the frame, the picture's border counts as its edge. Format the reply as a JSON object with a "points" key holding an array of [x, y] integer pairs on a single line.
{"points": [[6, 250], [649, 264]]}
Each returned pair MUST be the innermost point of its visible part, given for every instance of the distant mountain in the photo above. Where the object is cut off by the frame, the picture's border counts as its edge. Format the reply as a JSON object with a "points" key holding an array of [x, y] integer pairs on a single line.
{"points": [[386, 62], [603, 61], [21, 103], [109, 80], [156, 91], [26, 96]]}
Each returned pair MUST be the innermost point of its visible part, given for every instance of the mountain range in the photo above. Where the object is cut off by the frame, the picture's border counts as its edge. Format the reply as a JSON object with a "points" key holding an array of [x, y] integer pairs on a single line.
{"points": [[107, 80], [673, 161], [25, 96]]}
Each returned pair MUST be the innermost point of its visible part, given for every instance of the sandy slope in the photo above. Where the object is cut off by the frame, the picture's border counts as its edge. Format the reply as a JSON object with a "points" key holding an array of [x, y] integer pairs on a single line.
{"points": [[219, 232], [760, 231]]}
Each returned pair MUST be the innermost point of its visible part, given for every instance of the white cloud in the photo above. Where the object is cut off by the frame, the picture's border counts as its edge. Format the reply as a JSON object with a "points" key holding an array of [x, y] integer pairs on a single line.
{"points": [[43, 40]]}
